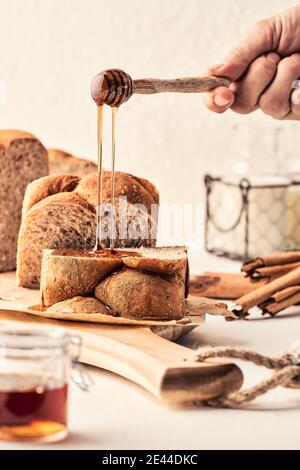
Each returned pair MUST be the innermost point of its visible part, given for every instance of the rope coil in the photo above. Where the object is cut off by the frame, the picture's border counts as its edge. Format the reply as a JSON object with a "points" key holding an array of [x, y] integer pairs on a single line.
{"points": [[286, 373]]}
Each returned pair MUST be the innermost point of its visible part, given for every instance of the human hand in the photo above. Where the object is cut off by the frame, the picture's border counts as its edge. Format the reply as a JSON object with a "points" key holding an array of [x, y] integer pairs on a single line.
{"points": [[263, 69]]}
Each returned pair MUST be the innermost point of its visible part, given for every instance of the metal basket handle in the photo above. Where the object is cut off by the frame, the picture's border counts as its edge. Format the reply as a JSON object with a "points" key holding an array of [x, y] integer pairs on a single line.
{"points": [[244, 187]]}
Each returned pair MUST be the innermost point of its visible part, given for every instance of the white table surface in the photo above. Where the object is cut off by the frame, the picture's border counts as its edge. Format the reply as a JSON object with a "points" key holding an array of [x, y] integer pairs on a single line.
{"points": [[117, 414]]}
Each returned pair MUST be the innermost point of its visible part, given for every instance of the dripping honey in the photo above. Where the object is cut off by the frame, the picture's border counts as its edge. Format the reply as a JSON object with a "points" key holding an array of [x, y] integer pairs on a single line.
{"points": [[98, 249], [112, 186], [98, 245]]}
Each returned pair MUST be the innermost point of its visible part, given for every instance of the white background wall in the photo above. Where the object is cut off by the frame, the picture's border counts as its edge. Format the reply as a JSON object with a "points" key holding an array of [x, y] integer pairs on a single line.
{"points": [[51, 49]]}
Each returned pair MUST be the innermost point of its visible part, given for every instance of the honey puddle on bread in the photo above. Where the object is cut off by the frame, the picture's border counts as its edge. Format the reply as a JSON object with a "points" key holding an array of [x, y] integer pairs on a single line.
{"points": [[102, 253]]}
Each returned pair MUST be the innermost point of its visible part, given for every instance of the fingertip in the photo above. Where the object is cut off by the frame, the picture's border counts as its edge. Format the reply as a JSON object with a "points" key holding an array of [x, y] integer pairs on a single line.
{"points": [[219, 100], [209, 103], [273, 57], [223, 97], [222, 101]]}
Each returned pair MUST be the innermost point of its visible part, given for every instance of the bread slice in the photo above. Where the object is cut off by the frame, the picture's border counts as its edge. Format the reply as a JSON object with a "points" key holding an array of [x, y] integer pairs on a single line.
{"points": [[59, 212], [152, 290], [161, 260], [66, 274], [22, 159], [59, 221], [64, 163]]}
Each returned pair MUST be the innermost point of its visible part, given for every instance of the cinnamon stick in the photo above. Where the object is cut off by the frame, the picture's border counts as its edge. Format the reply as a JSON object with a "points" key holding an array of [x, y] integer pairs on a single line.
{"points": [[227, 286], [276, 307], [279, 297], [271, 260], [285, 293], [263, 293], [271, 272]]}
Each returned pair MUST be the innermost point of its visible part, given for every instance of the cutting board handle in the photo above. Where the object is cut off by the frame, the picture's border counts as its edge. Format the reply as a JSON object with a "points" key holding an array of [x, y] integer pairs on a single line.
{"points": [[160, 366]]}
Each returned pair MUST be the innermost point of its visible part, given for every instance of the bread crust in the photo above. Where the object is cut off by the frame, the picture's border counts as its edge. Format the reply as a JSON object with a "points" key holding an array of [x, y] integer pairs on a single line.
{"points": [[63, 198], [150, 188], [86, 188], [48, 186], [125, 185], [143, 295], [7, 136], [61, 162], [23, 158]]}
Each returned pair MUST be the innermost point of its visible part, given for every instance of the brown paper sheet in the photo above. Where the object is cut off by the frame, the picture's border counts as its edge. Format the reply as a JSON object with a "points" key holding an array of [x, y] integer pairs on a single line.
{"points": [[18, 299]]}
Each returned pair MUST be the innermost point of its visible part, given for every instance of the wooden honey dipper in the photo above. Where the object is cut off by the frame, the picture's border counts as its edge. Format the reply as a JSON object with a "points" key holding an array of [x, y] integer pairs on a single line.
{"points": [[114, 86]]}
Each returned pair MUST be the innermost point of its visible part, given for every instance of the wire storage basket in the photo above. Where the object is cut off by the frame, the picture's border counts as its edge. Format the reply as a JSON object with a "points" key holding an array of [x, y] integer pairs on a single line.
{"points": [[249, 216]]}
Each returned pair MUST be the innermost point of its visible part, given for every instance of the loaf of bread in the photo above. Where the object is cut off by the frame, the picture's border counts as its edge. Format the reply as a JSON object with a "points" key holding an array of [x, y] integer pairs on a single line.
{"points": [[143, 295], [22, 159], [63, 163], [59, 212], [149, 283]]}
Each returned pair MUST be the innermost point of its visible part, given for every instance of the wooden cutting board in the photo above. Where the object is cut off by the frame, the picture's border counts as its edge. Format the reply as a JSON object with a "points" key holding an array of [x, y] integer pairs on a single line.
{"points": [[139, 353]]}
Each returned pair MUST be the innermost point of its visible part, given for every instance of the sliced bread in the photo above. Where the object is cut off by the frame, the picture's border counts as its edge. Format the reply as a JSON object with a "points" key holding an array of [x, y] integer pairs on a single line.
{"points": [[65, 274], [22, 159], [153, 290], [59, 212]]}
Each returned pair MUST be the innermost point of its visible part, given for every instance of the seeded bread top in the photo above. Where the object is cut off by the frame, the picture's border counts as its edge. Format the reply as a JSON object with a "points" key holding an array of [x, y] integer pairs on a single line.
{"points": [[137, 190]]}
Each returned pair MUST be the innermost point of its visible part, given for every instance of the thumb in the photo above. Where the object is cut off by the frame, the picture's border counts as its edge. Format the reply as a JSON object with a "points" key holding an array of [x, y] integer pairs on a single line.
{"points": [[257, 41]]}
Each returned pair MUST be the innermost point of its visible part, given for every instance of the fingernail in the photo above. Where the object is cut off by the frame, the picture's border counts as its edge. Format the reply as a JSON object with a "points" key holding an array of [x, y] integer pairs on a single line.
{"points": [[222, 101]]}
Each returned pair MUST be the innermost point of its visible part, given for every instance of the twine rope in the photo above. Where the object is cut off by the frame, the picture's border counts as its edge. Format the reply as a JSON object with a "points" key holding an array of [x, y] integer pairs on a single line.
{"points": [[286, 373]]}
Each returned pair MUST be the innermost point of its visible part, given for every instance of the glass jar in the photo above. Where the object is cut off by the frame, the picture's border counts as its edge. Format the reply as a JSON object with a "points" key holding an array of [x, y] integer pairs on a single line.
{"points": [[34, 373]]}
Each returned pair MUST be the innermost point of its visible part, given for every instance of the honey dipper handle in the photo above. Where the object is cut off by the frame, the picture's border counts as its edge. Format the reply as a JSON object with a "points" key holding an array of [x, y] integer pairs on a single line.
{"points": [[147, 86]]}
